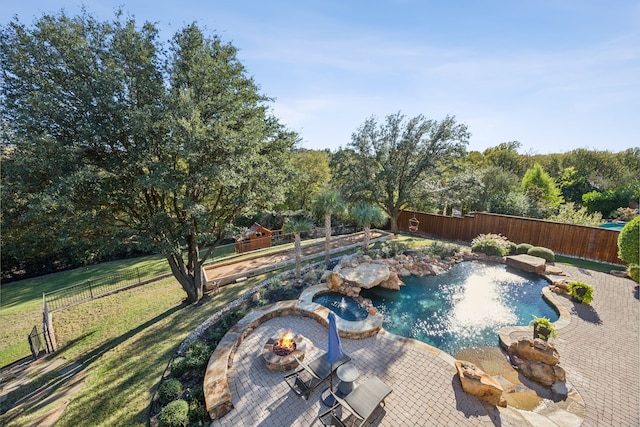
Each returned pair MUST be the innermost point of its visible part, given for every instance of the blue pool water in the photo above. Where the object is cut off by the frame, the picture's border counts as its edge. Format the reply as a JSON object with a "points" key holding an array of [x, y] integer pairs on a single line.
{"points": [[345, 307], [618, 226], [464, 307]]}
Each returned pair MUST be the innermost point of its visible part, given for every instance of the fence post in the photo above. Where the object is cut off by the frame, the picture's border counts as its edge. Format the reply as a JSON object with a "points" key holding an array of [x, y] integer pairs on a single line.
{"points": [[138, 270], [90, 289]]}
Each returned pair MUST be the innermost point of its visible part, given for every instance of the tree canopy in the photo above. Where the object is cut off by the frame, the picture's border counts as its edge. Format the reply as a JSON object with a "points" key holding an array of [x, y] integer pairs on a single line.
{"points": [[387, 163], [159, 146]]}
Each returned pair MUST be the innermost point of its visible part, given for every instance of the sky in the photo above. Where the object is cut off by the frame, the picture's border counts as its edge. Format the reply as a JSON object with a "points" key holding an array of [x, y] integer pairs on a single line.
{"points": [[555, 75]]}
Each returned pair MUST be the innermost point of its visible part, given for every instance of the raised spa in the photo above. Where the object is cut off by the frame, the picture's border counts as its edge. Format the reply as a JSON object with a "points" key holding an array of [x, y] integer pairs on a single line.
{"points": [[345, 307]]}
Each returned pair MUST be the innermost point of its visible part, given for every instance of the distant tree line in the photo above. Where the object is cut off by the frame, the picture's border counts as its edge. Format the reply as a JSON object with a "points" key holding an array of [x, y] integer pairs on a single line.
{"points": [[115, 144]]}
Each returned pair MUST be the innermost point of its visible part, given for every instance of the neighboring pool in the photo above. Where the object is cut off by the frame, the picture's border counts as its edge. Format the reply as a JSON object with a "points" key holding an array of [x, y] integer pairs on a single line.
{"points": [[464, 307], [618, 226], [345, 307]]}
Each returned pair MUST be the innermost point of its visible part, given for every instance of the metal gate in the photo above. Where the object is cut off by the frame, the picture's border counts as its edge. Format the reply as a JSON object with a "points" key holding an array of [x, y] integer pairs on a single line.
{"points": [[36, 341]]}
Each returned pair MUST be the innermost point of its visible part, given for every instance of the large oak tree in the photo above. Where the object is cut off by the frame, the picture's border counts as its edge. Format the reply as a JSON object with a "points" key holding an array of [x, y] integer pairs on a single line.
{"points": [[388, 163], [123, 138]]}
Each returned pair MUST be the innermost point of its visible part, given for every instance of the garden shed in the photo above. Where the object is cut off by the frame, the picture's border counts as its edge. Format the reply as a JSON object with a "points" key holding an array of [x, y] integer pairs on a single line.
{"points": [[256, 237]]}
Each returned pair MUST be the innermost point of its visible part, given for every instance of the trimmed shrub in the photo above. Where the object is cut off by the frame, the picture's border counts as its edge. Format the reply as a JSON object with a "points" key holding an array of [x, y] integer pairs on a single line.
{"points": [[513, 248], [490, 244], [179, 367], [633, 271], [629, 242], [391, 248], [169, 390], [444, 250], [580, 291], [197, 412], [544, 253], [197, 354], [174, 414], [523, 248]]}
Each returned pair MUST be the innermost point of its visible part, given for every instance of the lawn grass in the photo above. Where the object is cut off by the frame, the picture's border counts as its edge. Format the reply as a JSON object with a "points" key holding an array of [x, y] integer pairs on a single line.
{"points": [[21, 301], [589, 265], [124, 342]]}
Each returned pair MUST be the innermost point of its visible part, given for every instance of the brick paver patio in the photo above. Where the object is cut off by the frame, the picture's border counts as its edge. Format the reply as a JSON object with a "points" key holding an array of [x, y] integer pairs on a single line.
{"points": [[599, 350]]}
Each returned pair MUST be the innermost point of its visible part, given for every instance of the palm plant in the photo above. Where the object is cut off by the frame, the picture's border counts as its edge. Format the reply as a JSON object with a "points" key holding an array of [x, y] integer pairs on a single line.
{"points": [[328, 203], [366, 215], [297, 226]]}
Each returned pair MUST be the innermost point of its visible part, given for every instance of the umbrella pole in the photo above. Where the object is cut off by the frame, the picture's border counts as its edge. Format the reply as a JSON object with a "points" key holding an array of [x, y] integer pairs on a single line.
{"points": [[331, 378], [328, 400]]}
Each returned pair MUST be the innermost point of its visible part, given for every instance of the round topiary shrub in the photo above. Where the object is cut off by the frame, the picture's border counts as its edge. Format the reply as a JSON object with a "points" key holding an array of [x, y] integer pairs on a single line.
{"points": [[512, 248], [544, 253], [174, 414], [629, 242], [490, 244], [169, 390], [523, 248], [633, 271]]}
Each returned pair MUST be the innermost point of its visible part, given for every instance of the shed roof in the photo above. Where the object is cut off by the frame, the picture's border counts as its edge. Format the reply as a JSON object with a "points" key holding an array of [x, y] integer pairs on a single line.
{"points": [[253, 230]]}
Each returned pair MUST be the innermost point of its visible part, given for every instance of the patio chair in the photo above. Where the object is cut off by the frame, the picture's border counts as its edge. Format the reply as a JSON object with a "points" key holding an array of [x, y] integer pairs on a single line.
{"points": [[316, 372], [360, 403]]}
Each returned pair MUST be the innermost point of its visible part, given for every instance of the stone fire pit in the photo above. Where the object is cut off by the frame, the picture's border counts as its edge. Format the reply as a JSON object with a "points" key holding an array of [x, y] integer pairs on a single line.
{"points": [[282, 349]]}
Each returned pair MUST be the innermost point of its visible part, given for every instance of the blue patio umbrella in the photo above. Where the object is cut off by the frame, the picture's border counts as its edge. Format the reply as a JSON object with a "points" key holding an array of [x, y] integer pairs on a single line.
{"points": [[334, 350], [335, 346]]}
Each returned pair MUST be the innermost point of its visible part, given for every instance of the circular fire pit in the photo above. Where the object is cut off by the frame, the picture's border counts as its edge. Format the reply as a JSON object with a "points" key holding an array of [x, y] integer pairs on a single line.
{"points": [[281, 350]]}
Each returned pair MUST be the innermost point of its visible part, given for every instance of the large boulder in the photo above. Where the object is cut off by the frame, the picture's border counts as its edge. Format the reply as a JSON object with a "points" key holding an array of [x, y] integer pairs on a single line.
{"points": [[539, 372], [532, 264], [538, 360], [393, 282], [365, 275], [478, 383], [536, 350], [334, 282]]}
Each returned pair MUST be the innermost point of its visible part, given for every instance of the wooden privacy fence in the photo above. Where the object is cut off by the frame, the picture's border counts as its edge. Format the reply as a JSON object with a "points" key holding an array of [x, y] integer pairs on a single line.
{"points": [[594, 243]]}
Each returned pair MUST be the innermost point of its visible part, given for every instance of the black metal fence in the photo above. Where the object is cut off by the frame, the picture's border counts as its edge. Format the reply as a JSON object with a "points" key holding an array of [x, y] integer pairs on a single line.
{"points": [[95, 288], [86, 291]]}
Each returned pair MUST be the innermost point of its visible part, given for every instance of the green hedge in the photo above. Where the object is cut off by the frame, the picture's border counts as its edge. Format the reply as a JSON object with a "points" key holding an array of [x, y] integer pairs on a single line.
{"points": [[544, 253], [629, 242], [633, 271], [523, 248]]}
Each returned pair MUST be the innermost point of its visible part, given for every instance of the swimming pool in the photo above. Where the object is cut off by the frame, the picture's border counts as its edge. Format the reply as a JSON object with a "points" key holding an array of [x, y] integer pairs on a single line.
{"points": [[464, 307]]}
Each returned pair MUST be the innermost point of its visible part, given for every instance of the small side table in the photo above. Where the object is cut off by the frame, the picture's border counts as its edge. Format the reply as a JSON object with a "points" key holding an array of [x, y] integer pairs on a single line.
{"points": [[347, 374]]}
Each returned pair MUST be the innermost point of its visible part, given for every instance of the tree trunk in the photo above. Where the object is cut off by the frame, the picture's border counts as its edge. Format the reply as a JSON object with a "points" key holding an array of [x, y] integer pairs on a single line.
{"points": [[394, 222], [191, 282], [367, 238], [298, 246], [327, 238]]}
